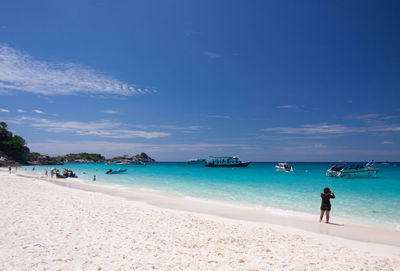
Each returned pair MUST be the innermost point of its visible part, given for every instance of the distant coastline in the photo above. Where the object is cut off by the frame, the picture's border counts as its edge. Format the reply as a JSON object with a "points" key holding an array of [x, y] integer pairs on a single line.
{"points": [[39, 159]]}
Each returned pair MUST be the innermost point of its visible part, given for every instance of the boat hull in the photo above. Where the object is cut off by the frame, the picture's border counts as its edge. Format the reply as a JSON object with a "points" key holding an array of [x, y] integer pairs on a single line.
{"points": [[353, 173], [117, 171], [284, 169], [61, 177], [226, 165]]}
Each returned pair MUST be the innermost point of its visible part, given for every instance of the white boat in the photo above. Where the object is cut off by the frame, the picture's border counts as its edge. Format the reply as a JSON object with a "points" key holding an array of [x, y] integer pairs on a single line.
{"points": [[140, 163], [284, 167], [226, 161], [197, 161], [352, 170]]}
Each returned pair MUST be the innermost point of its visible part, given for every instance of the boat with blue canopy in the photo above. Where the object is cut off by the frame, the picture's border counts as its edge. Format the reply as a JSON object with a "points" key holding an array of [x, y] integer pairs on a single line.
{"points": [[353, 170], [110, 171]]}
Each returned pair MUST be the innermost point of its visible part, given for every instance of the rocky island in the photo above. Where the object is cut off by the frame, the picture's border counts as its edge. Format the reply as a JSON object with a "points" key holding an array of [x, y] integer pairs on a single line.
{"points": [[143, 157], [35, 158], [14, 152]]}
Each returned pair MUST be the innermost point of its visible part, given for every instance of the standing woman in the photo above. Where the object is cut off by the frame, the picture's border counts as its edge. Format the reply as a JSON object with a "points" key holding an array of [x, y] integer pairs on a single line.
{"points": [[326, 203]]}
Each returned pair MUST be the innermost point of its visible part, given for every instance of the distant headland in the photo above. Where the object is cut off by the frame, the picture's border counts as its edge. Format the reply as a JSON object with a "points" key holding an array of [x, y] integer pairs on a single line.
{"points": [[13, 151], [84, 157]]}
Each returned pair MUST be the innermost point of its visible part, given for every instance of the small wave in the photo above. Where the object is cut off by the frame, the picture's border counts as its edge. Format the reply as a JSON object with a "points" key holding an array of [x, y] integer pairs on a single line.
{"points": [[272, 210], [283, 212]]}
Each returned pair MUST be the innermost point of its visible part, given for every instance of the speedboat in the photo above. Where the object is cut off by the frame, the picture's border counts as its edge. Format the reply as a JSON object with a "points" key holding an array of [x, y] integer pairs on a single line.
{"points": [[131, 163], [65, 174], [197, 161], [226, 161], [110, 171], [352, 170], [284, 167], [69, 174]]}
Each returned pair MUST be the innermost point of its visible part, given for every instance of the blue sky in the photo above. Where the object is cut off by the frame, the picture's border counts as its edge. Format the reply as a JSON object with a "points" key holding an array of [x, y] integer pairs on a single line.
{"points": [[265, 80]]}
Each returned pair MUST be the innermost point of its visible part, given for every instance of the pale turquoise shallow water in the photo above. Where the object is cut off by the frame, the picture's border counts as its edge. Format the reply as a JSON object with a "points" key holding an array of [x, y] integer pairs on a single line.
{"points": [[366, 200]]}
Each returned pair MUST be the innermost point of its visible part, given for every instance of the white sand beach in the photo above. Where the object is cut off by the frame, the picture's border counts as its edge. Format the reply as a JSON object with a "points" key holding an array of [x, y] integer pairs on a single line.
{"points": [[51, 227]]}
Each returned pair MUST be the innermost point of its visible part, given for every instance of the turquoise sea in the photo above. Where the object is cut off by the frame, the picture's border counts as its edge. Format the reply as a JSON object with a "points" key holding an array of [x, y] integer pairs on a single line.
{"points": [[374, 200]]}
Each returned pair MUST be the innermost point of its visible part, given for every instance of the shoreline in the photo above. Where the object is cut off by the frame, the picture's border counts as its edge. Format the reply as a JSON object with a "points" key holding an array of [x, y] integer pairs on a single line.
{"points": [[48, 226], [338, 227]]}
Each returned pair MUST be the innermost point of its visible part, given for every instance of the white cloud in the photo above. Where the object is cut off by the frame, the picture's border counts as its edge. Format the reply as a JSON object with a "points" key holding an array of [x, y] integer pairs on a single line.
{"points": [[174, 127], [108, 129], [38, 111], [324, 129], [169, 127], [212, 54], [21, 72], [304, 146], [122, 133], [115, 148], [388, 128], [104, 128], [377, 118], [4, 110], [110, 112], [311, 129], [20, 111], [287, 106], [219, 116], [365, 117], [387, 142], [390, 117]]}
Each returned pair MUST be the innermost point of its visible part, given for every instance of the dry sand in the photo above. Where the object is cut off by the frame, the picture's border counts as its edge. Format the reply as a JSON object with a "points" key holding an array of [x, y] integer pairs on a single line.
{"points": [[50, 227]]}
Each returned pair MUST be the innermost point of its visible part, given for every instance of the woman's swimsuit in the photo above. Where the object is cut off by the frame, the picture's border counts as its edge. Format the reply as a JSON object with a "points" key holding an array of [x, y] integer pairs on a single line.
{"points": [[326, 202]]}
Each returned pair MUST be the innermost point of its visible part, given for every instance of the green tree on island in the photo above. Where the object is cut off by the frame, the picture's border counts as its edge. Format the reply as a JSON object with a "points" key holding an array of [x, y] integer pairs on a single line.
{"points": [[95, 157], [11, 145]]}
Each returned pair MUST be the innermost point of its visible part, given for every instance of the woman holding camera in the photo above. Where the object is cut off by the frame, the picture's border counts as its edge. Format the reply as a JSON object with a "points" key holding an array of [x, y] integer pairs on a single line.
{"points": [[326, 203]]}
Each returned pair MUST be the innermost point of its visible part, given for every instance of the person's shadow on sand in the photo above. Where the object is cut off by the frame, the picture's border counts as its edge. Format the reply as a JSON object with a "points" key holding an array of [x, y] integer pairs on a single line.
{"points": [[335, 224]]}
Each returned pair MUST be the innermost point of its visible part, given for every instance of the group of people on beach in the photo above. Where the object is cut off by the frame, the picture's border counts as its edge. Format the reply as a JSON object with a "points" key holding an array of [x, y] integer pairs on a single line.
{"points": [[10, 168]]}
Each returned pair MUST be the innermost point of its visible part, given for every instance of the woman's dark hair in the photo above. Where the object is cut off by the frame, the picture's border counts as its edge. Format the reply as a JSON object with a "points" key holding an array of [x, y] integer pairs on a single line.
{"points": [[326, 190]]}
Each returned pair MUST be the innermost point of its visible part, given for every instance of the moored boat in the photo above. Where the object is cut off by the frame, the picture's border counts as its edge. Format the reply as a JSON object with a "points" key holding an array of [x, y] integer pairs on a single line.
{"points": [[286, 167], [110, 171], [352, 170], [65, 174], [226, 161], [140, 163]]}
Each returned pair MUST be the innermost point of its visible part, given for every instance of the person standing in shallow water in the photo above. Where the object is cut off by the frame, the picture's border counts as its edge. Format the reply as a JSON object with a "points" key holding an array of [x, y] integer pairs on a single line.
{"points": [[326, 203]]}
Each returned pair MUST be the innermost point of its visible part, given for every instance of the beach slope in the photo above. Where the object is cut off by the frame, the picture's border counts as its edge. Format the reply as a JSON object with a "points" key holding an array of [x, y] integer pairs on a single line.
{"points": [[49, 227]]}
